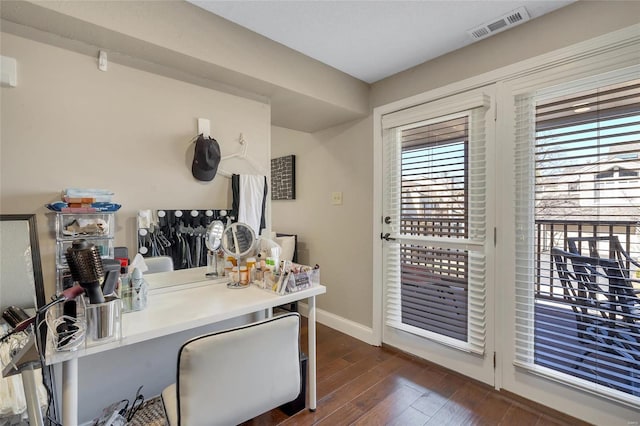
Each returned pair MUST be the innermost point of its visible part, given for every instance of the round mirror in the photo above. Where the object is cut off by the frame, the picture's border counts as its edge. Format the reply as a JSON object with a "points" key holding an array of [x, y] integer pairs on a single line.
{"points": [[239, 241], [212, 239], [214, 235]]}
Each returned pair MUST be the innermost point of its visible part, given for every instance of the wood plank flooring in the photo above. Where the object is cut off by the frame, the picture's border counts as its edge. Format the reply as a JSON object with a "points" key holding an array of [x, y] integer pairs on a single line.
{"points": [[359, 384]]}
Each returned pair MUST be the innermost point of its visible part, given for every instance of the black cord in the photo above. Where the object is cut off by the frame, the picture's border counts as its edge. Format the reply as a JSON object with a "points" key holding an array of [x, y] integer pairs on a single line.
{"points": [[123, 411], [137, 403], [9, 334]]}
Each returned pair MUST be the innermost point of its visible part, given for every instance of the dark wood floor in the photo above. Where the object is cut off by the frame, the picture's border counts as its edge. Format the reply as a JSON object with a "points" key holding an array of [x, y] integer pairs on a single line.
{"points": [[367, 385]]}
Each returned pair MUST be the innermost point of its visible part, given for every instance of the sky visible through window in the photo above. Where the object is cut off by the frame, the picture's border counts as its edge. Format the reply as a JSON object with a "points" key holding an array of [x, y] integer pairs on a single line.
{"points": [[593, 140]]}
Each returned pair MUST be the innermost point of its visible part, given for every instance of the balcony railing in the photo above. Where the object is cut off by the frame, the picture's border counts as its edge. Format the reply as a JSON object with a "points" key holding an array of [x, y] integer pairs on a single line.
{"points": [[434, 226], [549, 233], [555, 233]]}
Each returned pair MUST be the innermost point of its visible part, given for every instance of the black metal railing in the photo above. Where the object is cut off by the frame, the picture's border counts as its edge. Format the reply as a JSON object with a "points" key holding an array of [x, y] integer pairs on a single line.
{"points": [[434, 226], [556, 233]]}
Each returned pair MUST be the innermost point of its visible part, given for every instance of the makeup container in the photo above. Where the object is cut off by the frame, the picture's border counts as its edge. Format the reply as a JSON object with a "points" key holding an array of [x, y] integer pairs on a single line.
{"points": [[251, 268], [244, 275]]}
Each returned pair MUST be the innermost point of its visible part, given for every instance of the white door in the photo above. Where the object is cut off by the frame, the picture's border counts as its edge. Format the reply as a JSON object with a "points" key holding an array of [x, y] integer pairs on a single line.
{"points": [[437, 232]]}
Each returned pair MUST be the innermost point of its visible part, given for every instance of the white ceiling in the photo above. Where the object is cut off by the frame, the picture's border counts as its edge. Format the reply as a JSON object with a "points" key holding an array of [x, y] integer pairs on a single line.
{"points": [[371, 40]]}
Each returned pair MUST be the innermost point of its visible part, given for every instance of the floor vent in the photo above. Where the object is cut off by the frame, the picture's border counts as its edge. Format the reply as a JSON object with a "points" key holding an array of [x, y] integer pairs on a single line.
{"points": [[511, 19]]}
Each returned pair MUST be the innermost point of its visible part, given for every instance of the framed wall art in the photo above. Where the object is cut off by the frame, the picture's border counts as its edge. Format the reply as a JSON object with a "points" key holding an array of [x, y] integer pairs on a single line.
{"points": [[283, 178]]}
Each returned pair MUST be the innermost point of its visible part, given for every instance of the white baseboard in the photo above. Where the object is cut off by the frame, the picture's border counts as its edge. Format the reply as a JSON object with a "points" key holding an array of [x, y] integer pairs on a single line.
{"points": [[343, 325]]}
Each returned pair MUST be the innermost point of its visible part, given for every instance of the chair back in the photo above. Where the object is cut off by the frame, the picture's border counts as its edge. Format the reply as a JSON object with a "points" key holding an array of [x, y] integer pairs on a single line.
{"points": [[616, 266], [158, 264], [228, 377], [579, 286], [612, 246], [597, 287]]}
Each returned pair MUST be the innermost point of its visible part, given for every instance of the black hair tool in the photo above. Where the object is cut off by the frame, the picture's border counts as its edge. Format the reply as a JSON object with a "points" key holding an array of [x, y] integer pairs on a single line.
{"points": [[87, 269]]}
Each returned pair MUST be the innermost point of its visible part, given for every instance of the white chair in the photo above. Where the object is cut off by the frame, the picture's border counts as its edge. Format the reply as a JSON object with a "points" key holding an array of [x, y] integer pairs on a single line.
{"points": [[228, 377], [158, 264]]}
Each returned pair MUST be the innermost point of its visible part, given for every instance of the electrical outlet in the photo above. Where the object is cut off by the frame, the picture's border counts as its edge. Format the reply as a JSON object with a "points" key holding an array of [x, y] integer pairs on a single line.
{"points": [[336, 198]]}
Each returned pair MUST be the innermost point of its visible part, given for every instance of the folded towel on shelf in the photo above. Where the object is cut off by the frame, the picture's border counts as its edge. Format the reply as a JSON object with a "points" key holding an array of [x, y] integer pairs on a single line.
{"points": [[249, 198]]}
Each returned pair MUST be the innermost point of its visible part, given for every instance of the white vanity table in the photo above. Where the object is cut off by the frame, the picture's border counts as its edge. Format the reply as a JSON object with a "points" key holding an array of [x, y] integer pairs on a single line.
{"points": [[180, 301]]}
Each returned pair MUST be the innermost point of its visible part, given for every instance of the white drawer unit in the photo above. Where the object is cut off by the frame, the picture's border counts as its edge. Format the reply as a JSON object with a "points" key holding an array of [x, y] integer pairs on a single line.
{"points": [[97, 228]]}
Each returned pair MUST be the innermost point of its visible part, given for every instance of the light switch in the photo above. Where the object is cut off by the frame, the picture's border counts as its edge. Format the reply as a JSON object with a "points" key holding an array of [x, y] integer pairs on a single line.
{"points": [[336, 198]]}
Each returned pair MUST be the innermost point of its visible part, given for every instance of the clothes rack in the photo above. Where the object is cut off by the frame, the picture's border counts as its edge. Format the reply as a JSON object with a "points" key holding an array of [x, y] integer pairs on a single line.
{"points": [[180, 234]]}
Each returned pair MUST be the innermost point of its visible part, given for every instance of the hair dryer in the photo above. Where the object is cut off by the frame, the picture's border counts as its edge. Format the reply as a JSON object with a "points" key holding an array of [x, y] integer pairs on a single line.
{"points": [[87, 269]]}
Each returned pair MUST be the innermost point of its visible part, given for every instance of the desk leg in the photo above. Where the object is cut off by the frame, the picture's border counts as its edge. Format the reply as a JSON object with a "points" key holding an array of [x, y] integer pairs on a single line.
{"points": [[311, 331], [70, 392], [31, 395]]}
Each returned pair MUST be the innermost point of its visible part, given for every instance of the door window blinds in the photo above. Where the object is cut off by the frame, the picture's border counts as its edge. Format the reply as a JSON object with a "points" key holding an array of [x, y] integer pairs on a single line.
{"points": [[435, 198], [578, 237]]}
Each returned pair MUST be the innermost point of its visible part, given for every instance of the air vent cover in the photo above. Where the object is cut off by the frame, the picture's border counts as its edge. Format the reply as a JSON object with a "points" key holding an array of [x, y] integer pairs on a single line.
{"points": [[511, 19]]}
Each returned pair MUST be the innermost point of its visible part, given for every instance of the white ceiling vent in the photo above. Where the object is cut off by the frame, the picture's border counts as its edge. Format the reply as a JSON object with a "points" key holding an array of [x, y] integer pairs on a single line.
{"points": [[511, 19]]}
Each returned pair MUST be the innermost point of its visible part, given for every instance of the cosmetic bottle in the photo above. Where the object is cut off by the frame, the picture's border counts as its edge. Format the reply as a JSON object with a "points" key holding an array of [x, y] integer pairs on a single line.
{"points": [[244, 275], [251, 268]]}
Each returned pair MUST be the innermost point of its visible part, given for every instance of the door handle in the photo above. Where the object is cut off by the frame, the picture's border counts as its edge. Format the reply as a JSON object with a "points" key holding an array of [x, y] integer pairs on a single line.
{"points": [[386, 237]]}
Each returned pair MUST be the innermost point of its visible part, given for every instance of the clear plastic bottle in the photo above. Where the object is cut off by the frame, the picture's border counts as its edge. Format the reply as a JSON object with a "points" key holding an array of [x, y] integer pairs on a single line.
{"points": [[251, 267], [123, 281], [135, 294]]}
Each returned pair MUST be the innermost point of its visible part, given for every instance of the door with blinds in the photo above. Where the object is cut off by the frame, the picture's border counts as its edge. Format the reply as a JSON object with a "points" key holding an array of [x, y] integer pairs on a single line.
{"points": [[438, 231]]}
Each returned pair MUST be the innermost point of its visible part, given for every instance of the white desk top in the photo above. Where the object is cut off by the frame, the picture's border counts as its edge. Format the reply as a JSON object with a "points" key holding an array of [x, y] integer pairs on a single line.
{"points": [[196, 302]]}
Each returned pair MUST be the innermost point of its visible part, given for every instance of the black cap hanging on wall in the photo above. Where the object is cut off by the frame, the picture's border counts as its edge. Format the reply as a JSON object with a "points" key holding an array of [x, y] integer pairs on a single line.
{"points": [[205, 158]]}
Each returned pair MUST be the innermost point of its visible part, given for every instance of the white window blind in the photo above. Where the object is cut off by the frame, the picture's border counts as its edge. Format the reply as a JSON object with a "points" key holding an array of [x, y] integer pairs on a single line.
{"points": [[435, 198], [578, 235]]}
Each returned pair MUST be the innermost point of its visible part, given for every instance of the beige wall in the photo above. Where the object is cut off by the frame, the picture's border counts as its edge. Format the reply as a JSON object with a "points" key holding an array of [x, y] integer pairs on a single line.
{"points": [[337, 237], [67, 124], [178, 39]]}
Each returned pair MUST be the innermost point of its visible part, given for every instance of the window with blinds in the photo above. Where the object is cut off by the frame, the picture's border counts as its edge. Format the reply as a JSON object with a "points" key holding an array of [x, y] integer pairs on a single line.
{"points": [[434, 202], [434, 179], [578, 225], [435, 199]]}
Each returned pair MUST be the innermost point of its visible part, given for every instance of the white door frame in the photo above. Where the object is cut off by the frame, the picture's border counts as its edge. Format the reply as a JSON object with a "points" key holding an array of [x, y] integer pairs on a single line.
{"points": [[478, 366]]}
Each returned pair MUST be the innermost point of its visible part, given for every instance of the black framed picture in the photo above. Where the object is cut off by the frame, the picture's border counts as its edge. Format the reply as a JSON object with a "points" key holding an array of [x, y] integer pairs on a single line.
{"points": [[283, 178]]}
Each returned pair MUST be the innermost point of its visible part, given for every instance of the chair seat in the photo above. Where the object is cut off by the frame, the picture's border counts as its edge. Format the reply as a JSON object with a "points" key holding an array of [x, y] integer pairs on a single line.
{"points": [[170, 401]]}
